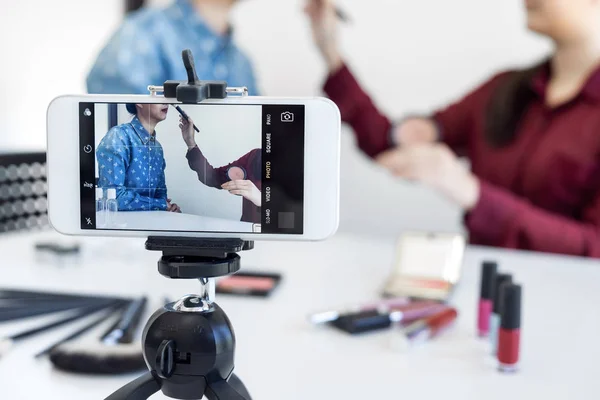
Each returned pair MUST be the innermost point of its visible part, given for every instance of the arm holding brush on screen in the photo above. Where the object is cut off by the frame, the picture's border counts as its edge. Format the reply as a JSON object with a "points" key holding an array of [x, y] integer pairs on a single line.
{"points": [[242, 177]]}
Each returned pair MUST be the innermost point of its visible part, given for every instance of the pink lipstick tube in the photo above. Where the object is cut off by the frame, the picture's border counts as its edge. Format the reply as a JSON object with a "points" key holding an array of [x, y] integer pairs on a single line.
{"points": [[486, 302]]}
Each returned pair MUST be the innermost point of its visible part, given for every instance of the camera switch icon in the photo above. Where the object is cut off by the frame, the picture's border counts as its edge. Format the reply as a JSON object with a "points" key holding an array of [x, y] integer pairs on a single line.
{"points": [[287, 116], [87, 148]]}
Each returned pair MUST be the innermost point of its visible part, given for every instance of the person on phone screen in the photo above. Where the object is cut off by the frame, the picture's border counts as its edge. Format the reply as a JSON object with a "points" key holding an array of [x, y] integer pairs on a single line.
{"points": [[532, 136], [131, 159], [242, 177], [146, 49]]}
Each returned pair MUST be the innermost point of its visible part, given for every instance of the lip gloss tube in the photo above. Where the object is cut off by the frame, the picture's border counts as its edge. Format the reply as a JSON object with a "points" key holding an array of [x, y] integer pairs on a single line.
{"points": [[495, 318], [488, 278], [510, 328], [425, 329]]}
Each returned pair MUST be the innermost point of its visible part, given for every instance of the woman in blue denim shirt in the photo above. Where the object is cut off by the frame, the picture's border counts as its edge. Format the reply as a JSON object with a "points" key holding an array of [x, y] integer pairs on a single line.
{"points": [[131, 160]]}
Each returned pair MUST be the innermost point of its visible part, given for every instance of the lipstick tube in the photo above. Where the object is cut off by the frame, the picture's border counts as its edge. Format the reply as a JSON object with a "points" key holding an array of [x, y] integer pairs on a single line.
{"points": [[488, 278], [495, 317], [510, 328]]}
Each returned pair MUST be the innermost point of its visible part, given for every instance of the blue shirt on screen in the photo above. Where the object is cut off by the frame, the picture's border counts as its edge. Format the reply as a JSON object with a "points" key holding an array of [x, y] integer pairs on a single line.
{"points": [[132, 161], [146, 50]]}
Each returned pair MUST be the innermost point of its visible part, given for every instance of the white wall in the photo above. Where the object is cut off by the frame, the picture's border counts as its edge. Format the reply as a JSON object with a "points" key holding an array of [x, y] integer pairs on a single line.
{"points": [[411, 55], [226, 134], [46, 49]]}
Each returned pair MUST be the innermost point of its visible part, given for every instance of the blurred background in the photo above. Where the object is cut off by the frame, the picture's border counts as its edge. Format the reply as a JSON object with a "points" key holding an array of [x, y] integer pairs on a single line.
{"points": [[441, 51]]}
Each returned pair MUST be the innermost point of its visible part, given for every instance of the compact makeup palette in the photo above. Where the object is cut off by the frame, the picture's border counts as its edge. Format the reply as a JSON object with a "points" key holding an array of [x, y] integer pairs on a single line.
{"points": [[236, 173], [427, 266], [249, 284], [23, 191]]}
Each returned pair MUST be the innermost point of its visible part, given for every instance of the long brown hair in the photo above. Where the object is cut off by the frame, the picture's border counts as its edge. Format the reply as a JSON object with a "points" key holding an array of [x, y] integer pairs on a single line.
{"points": [[508, 105]]}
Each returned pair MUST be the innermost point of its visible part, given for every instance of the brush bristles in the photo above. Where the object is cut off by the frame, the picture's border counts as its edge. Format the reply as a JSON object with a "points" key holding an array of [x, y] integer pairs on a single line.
{"points": [[96, 358]]}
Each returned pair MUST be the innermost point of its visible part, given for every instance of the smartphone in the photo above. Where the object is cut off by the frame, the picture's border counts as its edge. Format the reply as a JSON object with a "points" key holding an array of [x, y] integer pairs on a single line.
{"points": [[427, 265], [260, 167]]}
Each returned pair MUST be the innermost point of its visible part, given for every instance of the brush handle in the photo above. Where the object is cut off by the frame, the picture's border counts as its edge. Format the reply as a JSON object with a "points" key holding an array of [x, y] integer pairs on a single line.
{"points": [[84, 312], [11, 314], [28, 294], [184, 115], [111, 312], [125, 328], [341, 14], [25, 304]]}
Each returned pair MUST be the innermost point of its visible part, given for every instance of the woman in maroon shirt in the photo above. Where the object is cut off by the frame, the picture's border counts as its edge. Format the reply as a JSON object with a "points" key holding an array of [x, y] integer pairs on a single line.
{"points": [[532, 136]]}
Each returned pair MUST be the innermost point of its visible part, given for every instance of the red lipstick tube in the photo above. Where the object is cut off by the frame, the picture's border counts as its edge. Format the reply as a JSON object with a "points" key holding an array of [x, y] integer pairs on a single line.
{"points": [[510, 329], [486, 298]]}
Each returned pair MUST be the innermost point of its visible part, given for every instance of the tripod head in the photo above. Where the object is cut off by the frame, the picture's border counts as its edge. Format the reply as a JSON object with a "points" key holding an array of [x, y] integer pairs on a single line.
{"points": [[189, 344]]}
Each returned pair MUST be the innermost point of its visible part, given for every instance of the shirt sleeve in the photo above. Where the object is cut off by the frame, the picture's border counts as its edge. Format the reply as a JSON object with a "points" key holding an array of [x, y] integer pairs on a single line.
{"points": [[501, 218], [207, 174], [456, 122], [128, 63], [371, 127], [113, 151]]}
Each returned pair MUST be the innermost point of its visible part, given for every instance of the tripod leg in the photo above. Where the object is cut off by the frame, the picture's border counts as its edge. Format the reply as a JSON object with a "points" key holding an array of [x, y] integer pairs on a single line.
{"points": [[237, 384], [224, 390], [139, 389]]}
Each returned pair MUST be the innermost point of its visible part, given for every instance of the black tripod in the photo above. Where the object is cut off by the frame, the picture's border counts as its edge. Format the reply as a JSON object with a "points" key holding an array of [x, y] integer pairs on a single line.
{"points": [[189, 345]]}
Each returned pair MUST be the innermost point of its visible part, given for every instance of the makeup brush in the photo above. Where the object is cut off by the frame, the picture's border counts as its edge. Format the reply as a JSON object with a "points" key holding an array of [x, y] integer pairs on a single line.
{"points": [[7, 343], [112, 353], [109, 313], [342, 16], [122, 331], [36, 308], [185, 116], [31, 294]]}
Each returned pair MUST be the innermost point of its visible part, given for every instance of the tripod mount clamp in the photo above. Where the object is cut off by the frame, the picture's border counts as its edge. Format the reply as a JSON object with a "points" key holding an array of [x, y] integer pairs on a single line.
{"points": [[194, 90], [197, 258]]}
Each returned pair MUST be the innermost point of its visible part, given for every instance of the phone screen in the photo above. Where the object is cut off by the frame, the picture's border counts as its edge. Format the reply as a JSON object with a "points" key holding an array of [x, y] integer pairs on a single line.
{"points": [[233, 168]]}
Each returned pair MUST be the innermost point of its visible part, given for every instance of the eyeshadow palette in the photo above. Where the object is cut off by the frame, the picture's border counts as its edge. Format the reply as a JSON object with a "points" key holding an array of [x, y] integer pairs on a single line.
{"points": [[236, 173], [23, 191], [248, 284]]}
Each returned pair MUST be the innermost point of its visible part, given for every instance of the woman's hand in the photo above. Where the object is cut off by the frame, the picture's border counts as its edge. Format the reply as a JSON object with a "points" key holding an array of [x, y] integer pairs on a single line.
{"points": [[187, 131], [172, 207], [324, 25], [415, 130], [244, 188], [437, 166]]}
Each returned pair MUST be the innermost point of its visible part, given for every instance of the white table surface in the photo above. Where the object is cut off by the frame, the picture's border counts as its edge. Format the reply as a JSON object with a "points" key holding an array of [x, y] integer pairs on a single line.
{"points": [[281, 356], [162, 220]]}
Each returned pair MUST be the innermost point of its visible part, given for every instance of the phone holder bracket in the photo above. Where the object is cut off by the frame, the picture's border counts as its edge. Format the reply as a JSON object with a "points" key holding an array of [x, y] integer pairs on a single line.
{"points": [[194, 90], [197, 258]]}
